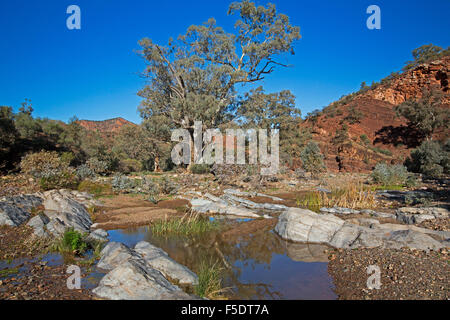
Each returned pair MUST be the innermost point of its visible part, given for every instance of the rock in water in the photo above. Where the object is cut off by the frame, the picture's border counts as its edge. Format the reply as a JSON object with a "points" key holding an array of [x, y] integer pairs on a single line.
{"points": [[159, 260], [305, 226], [133, 280], [115, 254]]}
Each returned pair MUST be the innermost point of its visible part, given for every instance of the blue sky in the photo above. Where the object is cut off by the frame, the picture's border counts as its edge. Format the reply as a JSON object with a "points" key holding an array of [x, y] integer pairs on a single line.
{"points": [[93, 73]]}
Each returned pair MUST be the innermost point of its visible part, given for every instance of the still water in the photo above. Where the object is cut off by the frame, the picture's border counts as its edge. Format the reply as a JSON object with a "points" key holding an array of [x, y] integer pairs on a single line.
{"points": [[255, 266]]}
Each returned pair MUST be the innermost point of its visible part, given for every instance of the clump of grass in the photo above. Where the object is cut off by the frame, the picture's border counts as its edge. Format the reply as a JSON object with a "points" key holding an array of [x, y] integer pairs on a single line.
{"points": [[189, 224], [209, 280], [72, 242], [353, 196]]}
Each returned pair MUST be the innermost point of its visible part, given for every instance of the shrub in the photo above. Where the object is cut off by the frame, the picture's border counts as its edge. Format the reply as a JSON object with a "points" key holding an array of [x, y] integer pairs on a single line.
{"points": [[122, 183], [200, 168], [312, 159], [430, 158], [130, 165], [98, 166], [71, 242], [168, 186], [50, 169], [56, 179], [36, 164], [390, 174], [149, 186], [84, 172]]}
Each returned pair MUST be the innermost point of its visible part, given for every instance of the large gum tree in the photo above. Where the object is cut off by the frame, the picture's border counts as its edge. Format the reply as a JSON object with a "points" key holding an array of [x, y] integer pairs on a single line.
{"points": [[196, 77]]}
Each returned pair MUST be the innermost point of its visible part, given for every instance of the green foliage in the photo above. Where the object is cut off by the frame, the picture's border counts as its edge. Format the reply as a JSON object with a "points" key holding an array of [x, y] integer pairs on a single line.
{"points": [[192, 225], [84, 172], [66, 179], [426, 114], [72, 242], [195, 77], [389, 174], [341, 135], [430, 158], [98, 166], [122, 183], [312, 158], [380, 150], [209, 280], [425, 53]]}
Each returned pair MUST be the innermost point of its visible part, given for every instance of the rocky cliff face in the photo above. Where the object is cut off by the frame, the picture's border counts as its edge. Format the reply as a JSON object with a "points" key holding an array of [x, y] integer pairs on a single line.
{"points": [[410, 84], [387, 137]]}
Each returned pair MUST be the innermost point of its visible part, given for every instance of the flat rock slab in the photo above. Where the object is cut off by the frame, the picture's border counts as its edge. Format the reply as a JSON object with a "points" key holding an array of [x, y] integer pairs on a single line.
{"points": [[145, 263], [301, 225], [134, 280], [159, 260]]}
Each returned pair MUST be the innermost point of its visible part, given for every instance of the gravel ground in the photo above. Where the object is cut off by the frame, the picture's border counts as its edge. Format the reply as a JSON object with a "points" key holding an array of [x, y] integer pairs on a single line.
{"points": [[405, 274], [40, 282]]}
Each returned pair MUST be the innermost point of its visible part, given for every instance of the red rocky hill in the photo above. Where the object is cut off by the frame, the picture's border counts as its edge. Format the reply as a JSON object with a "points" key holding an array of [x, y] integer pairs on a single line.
{"points": [[110, 126], [370, 113]]}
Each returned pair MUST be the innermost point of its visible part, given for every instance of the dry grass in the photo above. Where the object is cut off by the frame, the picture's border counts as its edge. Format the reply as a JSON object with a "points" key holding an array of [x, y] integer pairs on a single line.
{"points": [[353, 196]]}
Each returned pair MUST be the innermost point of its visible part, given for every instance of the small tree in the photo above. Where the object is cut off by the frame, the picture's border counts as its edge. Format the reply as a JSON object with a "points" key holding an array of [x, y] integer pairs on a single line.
{"points": [[430, 158], [425, 54], [426, 114], [312, 158]]}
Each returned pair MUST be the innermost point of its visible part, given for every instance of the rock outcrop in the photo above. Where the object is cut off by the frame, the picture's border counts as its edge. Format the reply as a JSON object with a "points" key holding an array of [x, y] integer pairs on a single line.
{"points": [[305, 226], [141, 273], [61, 210], [232, 204]]}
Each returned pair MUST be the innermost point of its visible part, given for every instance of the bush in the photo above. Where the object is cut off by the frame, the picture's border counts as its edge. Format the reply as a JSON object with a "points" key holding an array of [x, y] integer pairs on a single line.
{"points": [[72, 242], [390, 174], [122, 183], [130, 165], [50, 170], [38, 164], [430, 158], [98, 166], [312, 159], [150, 187], [84, 172], [66, 179], [200, 168]]}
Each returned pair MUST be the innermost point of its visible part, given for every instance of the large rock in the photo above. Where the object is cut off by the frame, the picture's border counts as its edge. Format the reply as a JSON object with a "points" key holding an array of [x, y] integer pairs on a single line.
{"points": [[72, 213], [114, 254], [16, 210], [134, 280], [305, 226], [12, 215], [159, 260], [210, 207], [141, 274], [410, 215]]}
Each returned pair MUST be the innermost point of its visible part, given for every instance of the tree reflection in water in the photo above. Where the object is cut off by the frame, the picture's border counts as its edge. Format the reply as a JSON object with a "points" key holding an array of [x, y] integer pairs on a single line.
{"points": [[260, 265]]}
